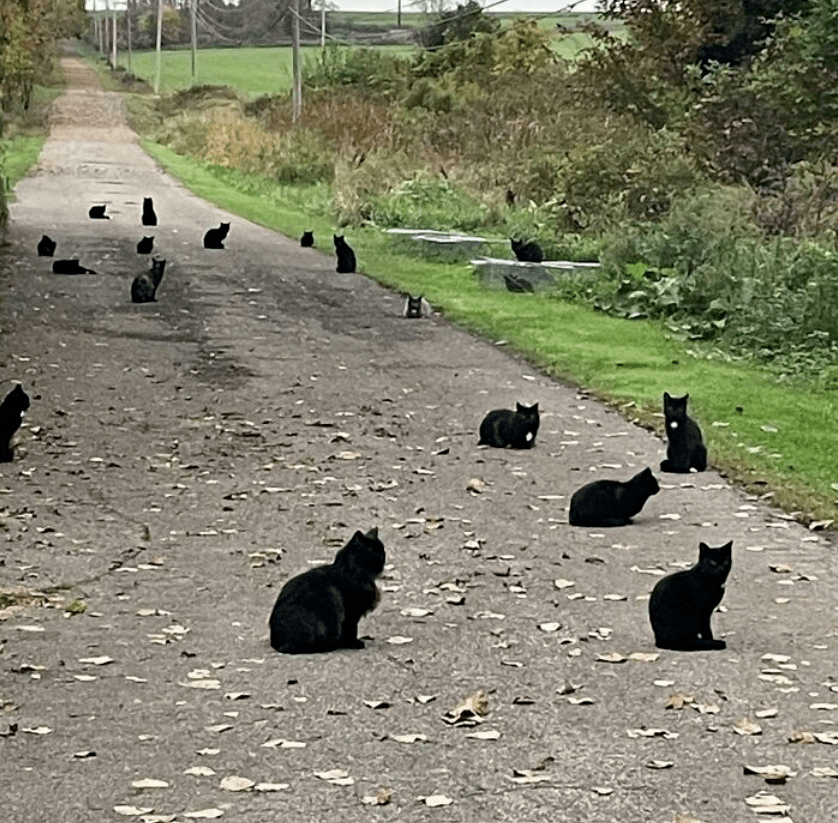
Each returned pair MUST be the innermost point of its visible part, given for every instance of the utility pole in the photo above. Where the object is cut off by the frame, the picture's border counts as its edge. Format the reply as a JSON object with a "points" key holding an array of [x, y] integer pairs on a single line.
{"points": [[399, 15], [159, 41], [113, 43], [323, 27], [128, 31], [297, 94], [194, 6]]}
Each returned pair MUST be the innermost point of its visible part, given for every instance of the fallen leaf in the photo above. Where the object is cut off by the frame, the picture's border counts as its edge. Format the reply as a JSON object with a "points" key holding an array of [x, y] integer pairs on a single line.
{"points": [[561, 583], [415, 611], [764, 714], [409, 738], [525, 776], [765, 803], [678, 701], [399, 640], [644, 732], [747, 727], [377, 704], [271, 787], [611, 657], [200, 771], [234, 783], [772, 773], [644, 657], [37, 729], [337, 777], [549, 627], [437, 800], [381, 798], [470, 712], [149, 783], [602, 791], [131, 811], [204, 814], [824, 771], [660, 764], [103, 660], [488, 734]]}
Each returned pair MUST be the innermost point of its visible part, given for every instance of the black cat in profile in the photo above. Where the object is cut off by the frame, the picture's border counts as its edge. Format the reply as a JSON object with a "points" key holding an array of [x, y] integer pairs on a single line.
{"points": [[144, 286], [149, 215], [345, 255], [214, 238], [519, 285], [416, 307], [682, 603], [98, 213], [14, 404], [70, 267], [307, 240], [319, 610], [686, 448], [527, 252], [145, 245], [46, 247], [611, 502], [504, 428]]}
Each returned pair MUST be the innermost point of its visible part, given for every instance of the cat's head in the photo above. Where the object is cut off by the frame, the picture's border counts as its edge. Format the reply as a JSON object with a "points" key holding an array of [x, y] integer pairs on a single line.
{"points": [[339, 241], [147, 239], [18, 398], [647, 481], [674, 409], [308, 237], [530, 411], [715, 562], [147, 201], [413, 306], [224, 226], [364, 552]]}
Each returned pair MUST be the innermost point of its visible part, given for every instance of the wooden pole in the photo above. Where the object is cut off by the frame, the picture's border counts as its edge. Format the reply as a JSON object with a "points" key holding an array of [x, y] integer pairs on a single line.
{"points": [[323, 27], [128, 32], [297, 94], [194, 6], [159, 42], [113, 42]]}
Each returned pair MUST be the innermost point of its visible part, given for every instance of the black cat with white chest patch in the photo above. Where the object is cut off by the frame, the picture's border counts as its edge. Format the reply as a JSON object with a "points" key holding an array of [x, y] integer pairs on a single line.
{"points": [[682, 603], [214, 238], [611, 502], [319, 610], [144, 286], [685, 449], [345, 255], [416, 307], [12, 409], [504, 428]]}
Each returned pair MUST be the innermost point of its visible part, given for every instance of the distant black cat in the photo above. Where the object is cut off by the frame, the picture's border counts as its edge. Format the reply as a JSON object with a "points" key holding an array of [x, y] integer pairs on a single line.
{"points": [[46, 247], [70, 267], [319, 610], [149, 215], [503, 428], [416, 307], [686, 448], [527, 252], [98, 213], [214, 238], [345, 255], [145, 245], [517, 284], [144, 286], [682, 603], [307, 240], [610, 502], [15, 403]]}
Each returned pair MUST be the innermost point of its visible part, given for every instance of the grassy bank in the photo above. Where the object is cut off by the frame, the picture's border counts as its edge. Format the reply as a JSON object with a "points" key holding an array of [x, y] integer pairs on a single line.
{"points": [[777, 439]]}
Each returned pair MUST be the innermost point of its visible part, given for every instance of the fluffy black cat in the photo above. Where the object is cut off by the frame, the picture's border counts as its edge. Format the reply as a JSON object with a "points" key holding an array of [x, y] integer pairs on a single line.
{"points": [[149, 215], [611, 502], [345, 255], [214, 238], [527, 252], [144, 286], [14, 404], [307, 240], [504, 428], [517, 284], [70, 267], [416, 307], [682, 603], [686, 448], [145, 245], [319, 610], [98, 213], [46, 246]]}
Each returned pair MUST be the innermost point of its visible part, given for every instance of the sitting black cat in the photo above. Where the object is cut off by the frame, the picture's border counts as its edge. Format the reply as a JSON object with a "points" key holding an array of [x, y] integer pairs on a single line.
{"points": [[527, 252], [145, 245], [319, 610], [610, 502], [686, 448], [14, 404], [214, 238], [307, 240], [517, 284], [345, 255], [504, 428], [46, 246], [70, 267], [416, 307], [98, 213], [682, 603], [149, 215], [144, 286]]}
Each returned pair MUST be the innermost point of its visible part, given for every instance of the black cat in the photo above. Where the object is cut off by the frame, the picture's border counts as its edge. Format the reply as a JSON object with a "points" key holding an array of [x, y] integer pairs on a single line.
{"points": [[517, 284], [307, 240], [503, 428], [149, 215], [15, 403], [46, 247], [214, 238], [346, 257], [686, 448], [70, 267], [416, 307], [145, 245], [98, 213], [682, 603], [319, 610], [610, 502], [527, 252], [144, 286]]}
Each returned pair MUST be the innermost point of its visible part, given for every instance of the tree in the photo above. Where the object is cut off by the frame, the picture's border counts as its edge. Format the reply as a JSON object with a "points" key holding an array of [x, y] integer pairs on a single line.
{"points": [[457, 25]]}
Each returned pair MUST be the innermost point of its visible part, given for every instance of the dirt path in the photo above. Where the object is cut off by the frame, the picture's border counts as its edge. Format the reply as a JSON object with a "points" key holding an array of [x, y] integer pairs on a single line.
{"points": [[182, 459]]}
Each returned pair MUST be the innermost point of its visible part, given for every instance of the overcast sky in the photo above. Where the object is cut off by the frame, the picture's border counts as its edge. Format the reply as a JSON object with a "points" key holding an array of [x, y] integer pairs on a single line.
{"points": [[534, 6]]}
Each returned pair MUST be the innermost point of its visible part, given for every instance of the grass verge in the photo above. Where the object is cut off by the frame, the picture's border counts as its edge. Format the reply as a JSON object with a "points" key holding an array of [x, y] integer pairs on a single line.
{"points": [[778, 440]]}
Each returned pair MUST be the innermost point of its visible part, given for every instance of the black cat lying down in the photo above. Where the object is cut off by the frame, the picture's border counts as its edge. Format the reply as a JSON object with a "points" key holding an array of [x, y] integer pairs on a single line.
{"points": [[319, 610], [504, 428], [610, 502]]}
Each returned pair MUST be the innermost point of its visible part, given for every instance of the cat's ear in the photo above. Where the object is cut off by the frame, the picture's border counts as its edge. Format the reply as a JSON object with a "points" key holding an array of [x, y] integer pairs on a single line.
{"points": [[534, 407], [372, 534], [667, 397]]}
